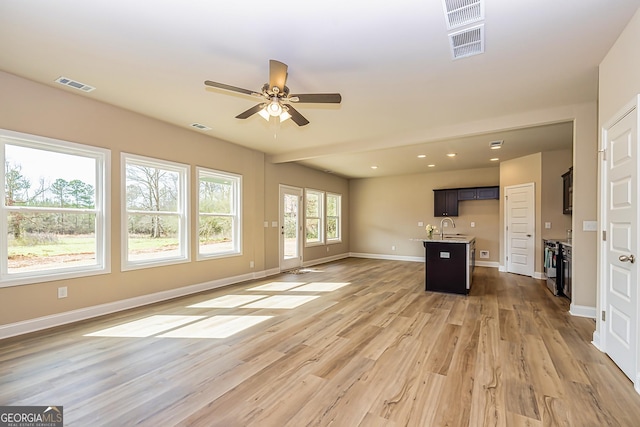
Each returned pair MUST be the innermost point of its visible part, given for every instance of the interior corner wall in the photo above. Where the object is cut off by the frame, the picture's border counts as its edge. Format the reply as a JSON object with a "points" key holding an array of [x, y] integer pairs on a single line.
{"points": [[39, 109], [301, 177]]}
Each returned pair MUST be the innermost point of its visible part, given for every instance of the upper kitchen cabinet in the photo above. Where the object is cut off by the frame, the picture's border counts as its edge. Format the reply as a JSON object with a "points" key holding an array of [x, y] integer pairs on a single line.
{"points": [[567, 192], [445, 202], [479, 193]]}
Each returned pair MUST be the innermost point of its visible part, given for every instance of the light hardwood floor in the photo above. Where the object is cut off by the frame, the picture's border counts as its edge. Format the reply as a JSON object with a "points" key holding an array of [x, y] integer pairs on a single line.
{"points": [[372, 349]]}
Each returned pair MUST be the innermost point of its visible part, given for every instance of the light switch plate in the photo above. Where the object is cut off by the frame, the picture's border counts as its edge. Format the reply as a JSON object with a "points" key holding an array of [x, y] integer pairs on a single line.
{"points": [[589, 225], [547, 225], [420, 224]]}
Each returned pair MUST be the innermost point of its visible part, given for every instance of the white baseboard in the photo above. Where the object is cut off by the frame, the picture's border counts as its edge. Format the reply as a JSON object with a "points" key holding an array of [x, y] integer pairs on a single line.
{"points": [[582, 311], [46, 322], [490, 264], [596, 341], [387, 257]]}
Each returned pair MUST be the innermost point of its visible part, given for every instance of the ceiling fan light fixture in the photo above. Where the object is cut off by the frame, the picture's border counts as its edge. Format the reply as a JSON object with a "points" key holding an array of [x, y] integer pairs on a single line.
{"points": [[264, 114], [284, 116], [274, 108]]}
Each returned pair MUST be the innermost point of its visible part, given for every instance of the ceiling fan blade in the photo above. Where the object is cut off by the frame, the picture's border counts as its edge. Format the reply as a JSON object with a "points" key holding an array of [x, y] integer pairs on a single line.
{"points": [[251, 111], [277, 74], [229, 87], [323, 98], [297, 117]]}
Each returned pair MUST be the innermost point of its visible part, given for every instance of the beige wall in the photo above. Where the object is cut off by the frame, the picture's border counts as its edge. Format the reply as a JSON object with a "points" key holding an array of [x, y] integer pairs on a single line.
{"points": [[301, 177], [554, 165], [41, 110], [384, 212]]}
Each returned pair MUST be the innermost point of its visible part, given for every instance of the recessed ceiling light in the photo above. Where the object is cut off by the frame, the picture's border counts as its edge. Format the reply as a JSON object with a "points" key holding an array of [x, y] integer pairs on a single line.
{"points": [[451, 154], [431, 166], [422, 156], [495, 159], [374, 167]]}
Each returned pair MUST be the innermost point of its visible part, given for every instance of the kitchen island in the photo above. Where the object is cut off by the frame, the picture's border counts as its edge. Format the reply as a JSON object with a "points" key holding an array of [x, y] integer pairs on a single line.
{"points": [[449, 263]]}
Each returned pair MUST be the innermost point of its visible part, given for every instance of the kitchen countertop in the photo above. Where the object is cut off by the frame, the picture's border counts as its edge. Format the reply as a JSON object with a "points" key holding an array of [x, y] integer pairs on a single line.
{"points": [[448, 238]]}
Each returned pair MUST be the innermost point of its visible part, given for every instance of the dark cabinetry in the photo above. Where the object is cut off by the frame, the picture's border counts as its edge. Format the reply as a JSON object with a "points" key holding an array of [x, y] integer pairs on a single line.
{"points": [[445, 267], [478, 193], [567, 192], [445, 202]]}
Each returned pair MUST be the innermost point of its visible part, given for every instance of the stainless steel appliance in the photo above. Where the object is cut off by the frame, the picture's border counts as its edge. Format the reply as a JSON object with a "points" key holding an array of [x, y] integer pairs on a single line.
{"points": [[566, 270], [552, 266]]}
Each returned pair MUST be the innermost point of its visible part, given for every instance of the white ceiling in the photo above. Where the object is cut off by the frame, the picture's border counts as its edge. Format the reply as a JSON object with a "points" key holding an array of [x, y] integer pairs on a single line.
{"points": [[402, 92]]}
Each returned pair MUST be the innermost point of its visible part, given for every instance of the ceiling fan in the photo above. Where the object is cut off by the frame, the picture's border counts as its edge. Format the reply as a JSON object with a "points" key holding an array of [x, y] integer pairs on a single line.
{"points": [[276, 100]]}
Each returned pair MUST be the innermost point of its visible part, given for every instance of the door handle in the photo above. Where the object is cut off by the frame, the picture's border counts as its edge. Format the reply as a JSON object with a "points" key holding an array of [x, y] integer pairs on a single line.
{"points": [[625, 258]]}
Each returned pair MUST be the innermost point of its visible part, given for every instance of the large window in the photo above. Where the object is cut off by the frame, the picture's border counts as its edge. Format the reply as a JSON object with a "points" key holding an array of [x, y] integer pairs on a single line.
{"points": [[334, 215], [219, 213], [53, 203], [155, 222], [314, 223]]}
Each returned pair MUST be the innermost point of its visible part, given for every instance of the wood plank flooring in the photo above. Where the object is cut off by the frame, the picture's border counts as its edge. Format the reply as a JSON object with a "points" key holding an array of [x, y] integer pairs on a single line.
{"points": [[372, 349]]}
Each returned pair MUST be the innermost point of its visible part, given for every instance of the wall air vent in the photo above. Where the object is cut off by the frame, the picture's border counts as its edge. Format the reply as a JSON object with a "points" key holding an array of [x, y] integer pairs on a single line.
{"points": [[462, 12], [74, 84], [467, 42], [199, 126]]}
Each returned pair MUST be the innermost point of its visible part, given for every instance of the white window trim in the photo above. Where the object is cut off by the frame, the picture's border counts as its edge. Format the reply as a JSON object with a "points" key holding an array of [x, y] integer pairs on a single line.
{"points": [[321, 218], [237, 195], [102, 157], [184, 172], [339, 238]]}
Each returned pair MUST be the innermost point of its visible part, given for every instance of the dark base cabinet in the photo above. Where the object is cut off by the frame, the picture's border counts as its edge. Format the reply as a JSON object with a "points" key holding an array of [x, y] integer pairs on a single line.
{"points": [[445, 267]]}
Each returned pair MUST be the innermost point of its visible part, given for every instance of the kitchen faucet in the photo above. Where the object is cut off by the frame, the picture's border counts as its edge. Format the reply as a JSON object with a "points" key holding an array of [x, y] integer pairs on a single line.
{"points": [[442, 225]]}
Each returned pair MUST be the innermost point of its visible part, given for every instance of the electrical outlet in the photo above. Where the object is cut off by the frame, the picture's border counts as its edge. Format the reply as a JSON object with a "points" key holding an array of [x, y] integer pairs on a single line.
{"points": [[484, 254], [420, 224], [393, 248], [473, 224], [251, 264], [62, 292], [547, 225]]}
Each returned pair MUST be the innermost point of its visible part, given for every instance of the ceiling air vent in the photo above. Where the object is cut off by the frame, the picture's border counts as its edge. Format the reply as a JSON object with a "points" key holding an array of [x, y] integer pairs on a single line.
{"points": [[494, 145], [74, 84], [462, 12], [467, 42], [199, 126]]}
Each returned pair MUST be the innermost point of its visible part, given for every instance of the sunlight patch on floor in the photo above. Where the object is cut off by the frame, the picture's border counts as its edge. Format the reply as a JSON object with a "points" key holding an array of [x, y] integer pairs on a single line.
{"points": [[282, 301], [228, 301], [321, 286], [145, 327], [277, 286], [216, 327]]}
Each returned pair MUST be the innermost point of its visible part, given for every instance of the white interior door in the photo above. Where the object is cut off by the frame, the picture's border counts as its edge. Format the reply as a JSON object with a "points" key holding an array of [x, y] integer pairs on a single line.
{"points": [[290, 227], [619, 324], [520, 219]]}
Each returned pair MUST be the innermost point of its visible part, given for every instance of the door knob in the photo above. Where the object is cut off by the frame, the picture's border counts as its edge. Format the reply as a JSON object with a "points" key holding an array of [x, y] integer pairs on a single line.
{"points": [[625, 258]]}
